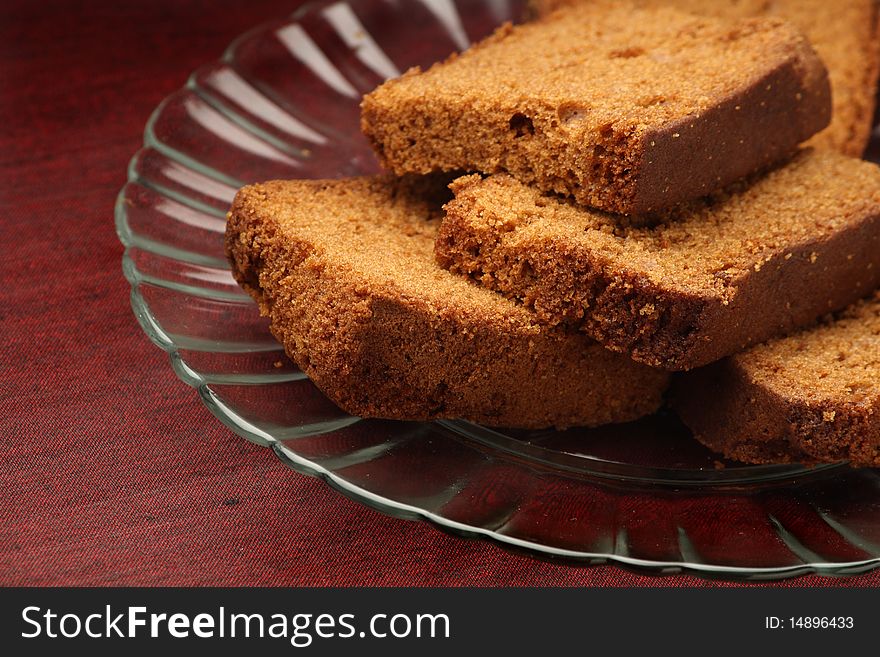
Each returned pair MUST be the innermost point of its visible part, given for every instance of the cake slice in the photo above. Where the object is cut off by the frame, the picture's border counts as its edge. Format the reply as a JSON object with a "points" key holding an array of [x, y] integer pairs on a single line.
{"points": [[846, 36], [344, 270], [627, 110], [811, 397], [721, 274]]}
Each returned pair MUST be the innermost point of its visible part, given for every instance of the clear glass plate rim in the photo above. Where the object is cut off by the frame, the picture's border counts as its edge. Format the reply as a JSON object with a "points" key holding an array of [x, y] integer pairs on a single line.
{"points": [[389, 506]]}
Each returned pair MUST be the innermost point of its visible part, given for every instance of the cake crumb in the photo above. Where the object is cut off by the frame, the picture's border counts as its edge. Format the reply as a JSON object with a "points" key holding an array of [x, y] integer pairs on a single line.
{"points": [[842, 33], [385, 332], [515, 103], [638, 283]]}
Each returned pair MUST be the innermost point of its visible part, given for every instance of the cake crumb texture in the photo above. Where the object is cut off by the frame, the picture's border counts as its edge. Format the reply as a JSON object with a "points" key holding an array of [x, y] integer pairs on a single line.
{"points": [[344, 270], [628, 110], [811, 397], [846, 36], [759, 260]]}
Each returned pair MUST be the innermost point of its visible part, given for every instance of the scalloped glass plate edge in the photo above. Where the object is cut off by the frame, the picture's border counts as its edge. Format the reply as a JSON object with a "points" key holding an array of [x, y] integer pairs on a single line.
{"points": [[154, 330], [248, 431], [409, 512]]}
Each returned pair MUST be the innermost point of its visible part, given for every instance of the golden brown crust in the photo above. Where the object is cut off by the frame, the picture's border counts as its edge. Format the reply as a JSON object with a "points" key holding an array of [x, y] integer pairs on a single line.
{"points": [[811, 397], [344, 270], [710, 280], [625, 110], [846, 35]]}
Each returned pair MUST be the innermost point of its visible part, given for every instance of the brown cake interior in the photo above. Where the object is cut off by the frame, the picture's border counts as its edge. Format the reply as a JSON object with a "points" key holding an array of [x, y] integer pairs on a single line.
{"points": [[344, 270], [625, 110], [846, 35], [813, 396], [720, 274]]}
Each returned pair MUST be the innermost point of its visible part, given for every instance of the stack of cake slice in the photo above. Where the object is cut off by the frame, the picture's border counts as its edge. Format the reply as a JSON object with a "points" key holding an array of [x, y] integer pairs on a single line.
{"points": [[637, 203], [626, 110], [345, 272]]}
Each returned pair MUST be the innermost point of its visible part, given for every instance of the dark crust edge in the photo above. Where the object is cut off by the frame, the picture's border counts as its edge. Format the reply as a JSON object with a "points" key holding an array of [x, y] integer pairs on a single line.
{"points": [[751, 130], [679, 331], [732, 414], [747, 132], [362, 384], [859, 131]]}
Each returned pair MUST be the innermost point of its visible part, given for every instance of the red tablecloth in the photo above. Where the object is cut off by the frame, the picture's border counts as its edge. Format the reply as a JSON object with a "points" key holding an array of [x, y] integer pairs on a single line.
{"points": [[113, 472]]}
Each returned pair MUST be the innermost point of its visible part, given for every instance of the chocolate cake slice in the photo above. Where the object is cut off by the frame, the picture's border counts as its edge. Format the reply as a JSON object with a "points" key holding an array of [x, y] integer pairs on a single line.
{"points": [[627, 110], [345, 272], [811, 397], [846, 36], [758, 261]]}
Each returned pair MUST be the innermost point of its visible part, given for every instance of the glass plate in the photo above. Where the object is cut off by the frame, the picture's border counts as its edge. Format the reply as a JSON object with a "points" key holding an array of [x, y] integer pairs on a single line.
{"points": [[282, 102]]}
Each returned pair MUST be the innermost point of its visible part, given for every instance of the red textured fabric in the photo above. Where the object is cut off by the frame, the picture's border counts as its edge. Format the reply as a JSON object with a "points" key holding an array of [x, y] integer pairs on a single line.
{"points": [[112, 470]]}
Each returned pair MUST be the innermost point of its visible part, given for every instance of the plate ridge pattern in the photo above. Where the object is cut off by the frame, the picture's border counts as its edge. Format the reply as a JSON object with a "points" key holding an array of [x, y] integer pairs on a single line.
{"points": [[243, 119]]}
